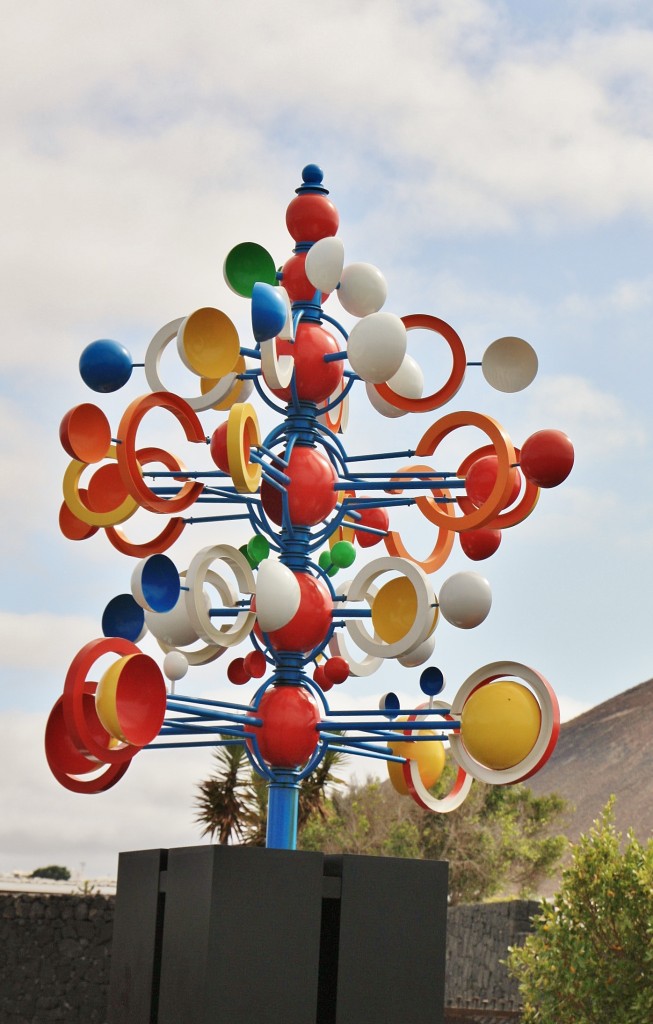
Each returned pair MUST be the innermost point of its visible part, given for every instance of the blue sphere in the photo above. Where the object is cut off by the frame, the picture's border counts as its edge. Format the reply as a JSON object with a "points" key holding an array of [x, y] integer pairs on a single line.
{"points": [[105, 365]]}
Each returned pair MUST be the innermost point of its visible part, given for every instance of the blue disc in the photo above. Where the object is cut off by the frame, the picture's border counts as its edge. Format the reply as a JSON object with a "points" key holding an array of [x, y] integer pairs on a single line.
{"points": [[269, 311], [160, 583], [390, 703], [105, 365], [123, 617], [431, 681]]}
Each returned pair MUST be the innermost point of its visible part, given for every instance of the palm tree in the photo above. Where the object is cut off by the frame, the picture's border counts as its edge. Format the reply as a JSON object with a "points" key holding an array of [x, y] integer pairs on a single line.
{"points": [[232, 804]]}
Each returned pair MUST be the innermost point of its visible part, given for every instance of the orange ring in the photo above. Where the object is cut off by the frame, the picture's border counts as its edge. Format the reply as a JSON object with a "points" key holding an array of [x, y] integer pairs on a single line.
{"points": [[170, 532], [456, 377], [445, 538], [522, 509], [128, 461], [503, 449]]}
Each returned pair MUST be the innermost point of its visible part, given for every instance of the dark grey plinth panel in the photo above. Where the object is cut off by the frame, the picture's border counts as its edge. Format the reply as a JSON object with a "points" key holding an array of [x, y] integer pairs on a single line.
{"points": [[136, 949], [242, 936], [391, 941], [217, 934]]}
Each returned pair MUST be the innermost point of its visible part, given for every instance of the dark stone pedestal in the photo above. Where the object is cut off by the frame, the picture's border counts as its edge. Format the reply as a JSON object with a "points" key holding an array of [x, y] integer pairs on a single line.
{"points": [[245, 935]]}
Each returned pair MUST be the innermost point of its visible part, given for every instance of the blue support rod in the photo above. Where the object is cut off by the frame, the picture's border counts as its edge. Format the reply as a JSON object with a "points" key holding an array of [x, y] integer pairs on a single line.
{"points": [[283, 808]]}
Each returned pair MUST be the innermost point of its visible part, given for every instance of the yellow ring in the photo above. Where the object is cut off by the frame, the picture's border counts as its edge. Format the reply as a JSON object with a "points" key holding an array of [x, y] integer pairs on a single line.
{"points": [[243, 430], [77, 507]]}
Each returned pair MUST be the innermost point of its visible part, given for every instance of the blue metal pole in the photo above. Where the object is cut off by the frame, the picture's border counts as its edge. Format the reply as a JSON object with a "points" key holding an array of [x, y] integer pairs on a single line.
{"points": [[283, 807]]}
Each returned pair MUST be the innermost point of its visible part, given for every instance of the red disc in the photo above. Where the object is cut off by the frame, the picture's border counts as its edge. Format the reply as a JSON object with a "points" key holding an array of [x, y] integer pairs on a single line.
{"points": [[256, 664], [106, 489], [288, 736], [320, 677], [315, 380], [311, 216], [310, 624], [72, 527], [237, 672], [311, 497]]}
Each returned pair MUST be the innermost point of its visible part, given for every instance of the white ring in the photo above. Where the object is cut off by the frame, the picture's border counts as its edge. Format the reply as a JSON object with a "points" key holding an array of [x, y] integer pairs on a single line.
{"points": [[338, 647], [421, 626], [197, 613], [549, 725], [161, 339], [461, 787], [210, 652]]}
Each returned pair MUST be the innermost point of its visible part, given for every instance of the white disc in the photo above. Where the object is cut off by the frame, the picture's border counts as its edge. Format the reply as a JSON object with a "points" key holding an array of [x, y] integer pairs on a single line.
{"points": [[277, 595], [377, 346], [408, 382], [324, 263], [509, 364]]}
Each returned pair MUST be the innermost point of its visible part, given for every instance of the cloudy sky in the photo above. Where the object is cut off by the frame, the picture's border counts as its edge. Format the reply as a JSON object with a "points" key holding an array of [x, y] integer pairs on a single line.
{"points": [[494, 159]]}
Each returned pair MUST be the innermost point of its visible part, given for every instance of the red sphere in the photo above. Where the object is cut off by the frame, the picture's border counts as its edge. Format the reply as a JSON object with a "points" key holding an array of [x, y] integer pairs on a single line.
{"points": [[315, 380], [481, 478], [336, 669], [479, 544], [320, 677], [311, 497], [378, 518], [256, 664], [288, 735], [218, 447], [547, 458], [295, 281], [311, 216], [237, 672], [310, 624]]}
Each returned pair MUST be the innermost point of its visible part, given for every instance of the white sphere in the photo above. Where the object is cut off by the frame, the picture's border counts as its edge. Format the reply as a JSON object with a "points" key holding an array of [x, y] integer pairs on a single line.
{"points": [[377, 346], [175, 665], [420, 654], [324, 263], [363, 289], [408, 382], [465, 599], [509, 364]]}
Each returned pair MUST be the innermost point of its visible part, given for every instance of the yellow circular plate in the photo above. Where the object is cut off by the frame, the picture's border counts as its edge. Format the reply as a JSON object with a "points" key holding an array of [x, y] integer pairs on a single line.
{"points": [[500, 724], [208, 343]]}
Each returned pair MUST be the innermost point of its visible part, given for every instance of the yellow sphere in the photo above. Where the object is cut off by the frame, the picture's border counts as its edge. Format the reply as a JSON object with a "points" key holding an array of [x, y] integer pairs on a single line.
{"points": [[429, 756], [500, 723]]}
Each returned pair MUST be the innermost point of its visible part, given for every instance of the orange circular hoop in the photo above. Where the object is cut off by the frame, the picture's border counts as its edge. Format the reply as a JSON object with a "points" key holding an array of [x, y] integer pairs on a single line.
{"points": [[501, 446], [445, 538], [170, 532], [456, 377], [82, 732], [521, 510], [128, 459]]}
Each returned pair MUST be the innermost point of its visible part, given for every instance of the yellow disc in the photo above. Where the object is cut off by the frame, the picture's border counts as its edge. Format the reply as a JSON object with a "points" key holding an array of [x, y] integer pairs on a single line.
{"points": [[430, 758], [394, 609], [210, 342], [105, 698], [500, 723]]}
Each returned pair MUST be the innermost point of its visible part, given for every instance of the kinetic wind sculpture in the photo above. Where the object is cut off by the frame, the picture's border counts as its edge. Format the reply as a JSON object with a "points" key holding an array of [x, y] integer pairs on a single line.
{"points": [[309, 506]]}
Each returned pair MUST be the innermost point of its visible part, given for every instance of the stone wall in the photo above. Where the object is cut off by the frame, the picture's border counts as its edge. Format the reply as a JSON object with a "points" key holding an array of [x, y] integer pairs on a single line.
{"points": [[55, 954]]}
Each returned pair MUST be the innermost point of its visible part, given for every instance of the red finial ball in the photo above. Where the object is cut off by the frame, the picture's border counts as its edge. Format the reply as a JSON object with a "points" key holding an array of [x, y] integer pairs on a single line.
{"points": [[547, 458], [315, 380], [311, 622], [311, 497], [311, 216], [288, 735]]}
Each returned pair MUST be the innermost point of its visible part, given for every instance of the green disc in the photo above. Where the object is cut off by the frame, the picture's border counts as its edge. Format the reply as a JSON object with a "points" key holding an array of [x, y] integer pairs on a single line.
{"points": [[258, 548], [246, 264]]}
